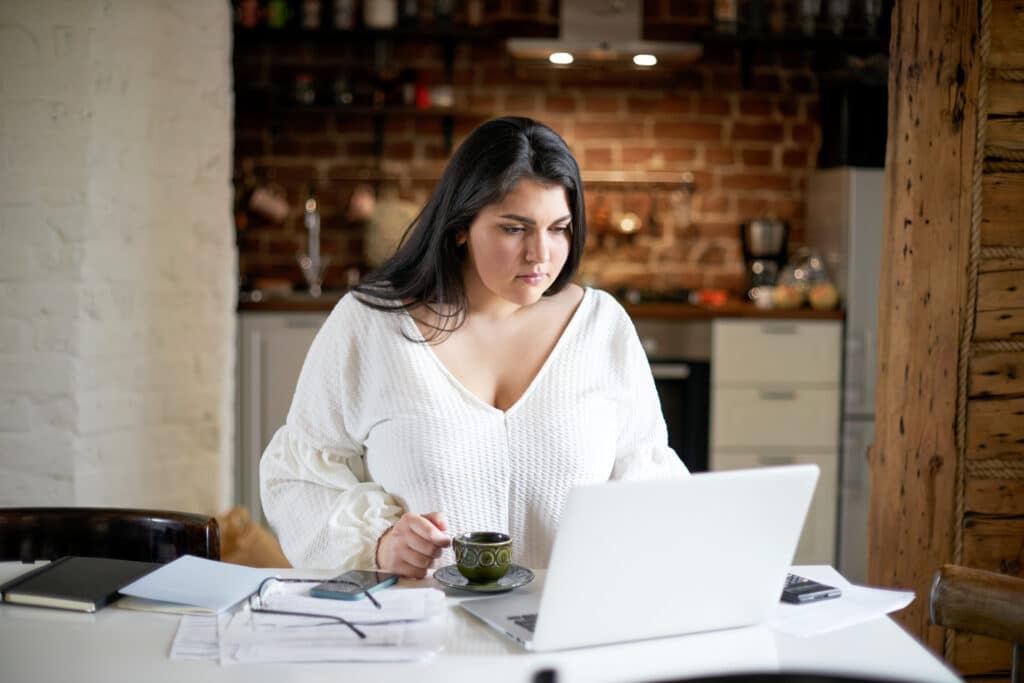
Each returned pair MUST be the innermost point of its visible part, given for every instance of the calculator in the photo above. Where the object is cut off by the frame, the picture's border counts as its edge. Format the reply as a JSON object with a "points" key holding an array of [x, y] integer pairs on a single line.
{"points": [[800, 590]]}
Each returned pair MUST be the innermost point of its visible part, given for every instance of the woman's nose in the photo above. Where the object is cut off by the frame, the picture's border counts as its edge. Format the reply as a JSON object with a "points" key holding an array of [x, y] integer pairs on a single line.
{"points": [[537, 249]]}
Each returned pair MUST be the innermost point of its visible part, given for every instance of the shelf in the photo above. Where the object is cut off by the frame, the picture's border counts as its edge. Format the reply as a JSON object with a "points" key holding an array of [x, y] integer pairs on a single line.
{"points": [[267, 103], [247, 37], [823, 45]]}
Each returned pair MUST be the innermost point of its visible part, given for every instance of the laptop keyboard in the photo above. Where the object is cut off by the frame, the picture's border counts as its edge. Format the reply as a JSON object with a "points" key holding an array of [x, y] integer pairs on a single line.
{"points": [[527, 621]]}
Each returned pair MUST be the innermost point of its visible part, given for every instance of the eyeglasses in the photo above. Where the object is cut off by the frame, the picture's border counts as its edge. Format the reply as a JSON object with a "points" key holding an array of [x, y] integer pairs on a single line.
{"points": [[259, 599]]}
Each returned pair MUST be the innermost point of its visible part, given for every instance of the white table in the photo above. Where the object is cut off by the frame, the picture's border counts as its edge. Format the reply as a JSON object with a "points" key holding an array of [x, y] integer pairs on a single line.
{"points": [[38, 644]]}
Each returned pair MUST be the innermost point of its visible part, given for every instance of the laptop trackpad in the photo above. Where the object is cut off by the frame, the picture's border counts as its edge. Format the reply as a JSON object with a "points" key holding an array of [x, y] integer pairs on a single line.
{"points": [[515, 615]]}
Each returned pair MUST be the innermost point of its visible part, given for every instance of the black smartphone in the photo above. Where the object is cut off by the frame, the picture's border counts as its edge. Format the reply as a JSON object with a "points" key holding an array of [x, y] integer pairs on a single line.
{"points": [[353, 585], [800, 590]]}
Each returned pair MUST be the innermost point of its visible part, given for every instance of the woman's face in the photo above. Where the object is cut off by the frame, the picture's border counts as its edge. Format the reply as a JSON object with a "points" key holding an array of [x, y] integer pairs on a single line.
{"points": [[518, 246]]}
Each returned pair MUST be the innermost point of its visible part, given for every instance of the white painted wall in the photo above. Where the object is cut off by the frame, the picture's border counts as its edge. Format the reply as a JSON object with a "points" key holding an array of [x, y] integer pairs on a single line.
{"points": [[118, 267]]}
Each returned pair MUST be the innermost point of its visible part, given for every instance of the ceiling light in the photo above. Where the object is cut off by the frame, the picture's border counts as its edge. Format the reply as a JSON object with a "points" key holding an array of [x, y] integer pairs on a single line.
{"points": [[560, 58], [645, 60]]}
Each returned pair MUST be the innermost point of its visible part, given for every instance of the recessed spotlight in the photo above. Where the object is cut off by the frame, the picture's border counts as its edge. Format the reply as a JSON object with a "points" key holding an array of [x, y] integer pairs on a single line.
{"points": [[645, 60], [560, 58]]}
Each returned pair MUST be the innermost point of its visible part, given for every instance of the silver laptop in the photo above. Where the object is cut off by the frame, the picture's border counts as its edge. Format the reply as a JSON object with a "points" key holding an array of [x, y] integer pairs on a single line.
{"points": [[653, 558]]}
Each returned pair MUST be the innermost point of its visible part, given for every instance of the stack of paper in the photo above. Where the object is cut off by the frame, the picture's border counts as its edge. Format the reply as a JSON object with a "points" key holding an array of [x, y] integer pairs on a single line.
{"points": [[856, 604], [408, 627], [193, 585]]}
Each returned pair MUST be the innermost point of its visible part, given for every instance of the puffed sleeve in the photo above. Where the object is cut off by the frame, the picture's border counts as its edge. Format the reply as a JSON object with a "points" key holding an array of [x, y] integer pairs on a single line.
{"points": [[642, 449], [314, 488]]}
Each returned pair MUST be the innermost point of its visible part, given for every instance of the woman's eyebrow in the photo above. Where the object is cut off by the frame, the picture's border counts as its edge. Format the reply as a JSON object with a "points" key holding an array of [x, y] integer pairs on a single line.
{"points": [[524, 219]]}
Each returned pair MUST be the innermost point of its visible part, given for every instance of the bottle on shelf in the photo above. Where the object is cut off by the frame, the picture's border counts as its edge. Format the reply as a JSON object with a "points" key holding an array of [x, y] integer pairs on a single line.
{"points": [[312, 14], [409, 13], [278, 13], [726, 16], [344, 14]]}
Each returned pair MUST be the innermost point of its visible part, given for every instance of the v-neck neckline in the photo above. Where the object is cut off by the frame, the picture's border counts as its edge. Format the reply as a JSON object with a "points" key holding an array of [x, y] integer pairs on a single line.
{"points": [[570, 327]]}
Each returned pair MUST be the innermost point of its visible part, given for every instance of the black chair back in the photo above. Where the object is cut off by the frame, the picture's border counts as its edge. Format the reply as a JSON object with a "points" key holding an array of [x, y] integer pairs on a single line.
{"points": [[29, 534]]}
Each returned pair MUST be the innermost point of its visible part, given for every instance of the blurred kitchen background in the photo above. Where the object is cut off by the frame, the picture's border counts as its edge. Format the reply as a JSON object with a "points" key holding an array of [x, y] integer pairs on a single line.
{"points": [[189, 186]]}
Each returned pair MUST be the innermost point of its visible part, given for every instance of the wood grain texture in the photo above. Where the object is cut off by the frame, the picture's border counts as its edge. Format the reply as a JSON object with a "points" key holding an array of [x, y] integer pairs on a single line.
{"points": [[1007, 49], [1002, 198], [996, 373], [995, 429], [933, 86], [1003, 289], [995, 543], [979, 601], [1006, 323], [995, 496], [1004, 129]]}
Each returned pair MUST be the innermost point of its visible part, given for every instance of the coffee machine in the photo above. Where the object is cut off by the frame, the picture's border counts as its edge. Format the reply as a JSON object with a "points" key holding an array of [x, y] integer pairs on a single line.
{"points": [[765, 242]]}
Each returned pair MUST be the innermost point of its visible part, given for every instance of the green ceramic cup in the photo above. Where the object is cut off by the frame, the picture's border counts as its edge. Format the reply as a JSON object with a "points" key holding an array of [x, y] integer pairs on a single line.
{"points": [[483, 556]]}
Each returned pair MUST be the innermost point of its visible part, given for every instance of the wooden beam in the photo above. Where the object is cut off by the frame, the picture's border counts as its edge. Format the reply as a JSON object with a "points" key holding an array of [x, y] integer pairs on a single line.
{"points": [[995, 496], [933, 85], [1007, 51], [996, 373], [1005, 126], [995, 428], [1005, 323], [1001, 219], [1001, 289]]}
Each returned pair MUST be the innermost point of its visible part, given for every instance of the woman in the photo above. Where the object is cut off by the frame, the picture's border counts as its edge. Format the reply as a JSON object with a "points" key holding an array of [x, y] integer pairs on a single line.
{"points": [[467, 384]]}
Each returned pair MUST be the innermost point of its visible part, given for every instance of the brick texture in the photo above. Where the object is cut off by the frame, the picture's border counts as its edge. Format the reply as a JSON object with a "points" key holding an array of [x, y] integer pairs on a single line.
{"points": [[117, 328], [750, 148]]}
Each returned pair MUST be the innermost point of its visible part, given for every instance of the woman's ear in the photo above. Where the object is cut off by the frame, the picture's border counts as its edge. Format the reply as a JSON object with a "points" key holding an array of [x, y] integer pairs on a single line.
{"points": [[460, 238]]}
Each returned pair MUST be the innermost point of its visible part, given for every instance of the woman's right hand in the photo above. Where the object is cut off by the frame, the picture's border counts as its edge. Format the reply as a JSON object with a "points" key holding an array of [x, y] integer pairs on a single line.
{"points": [[410, 546]]}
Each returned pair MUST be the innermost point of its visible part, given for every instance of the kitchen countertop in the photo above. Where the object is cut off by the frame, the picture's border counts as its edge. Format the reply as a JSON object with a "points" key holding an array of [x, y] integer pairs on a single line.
{"points": [[733, 308]]}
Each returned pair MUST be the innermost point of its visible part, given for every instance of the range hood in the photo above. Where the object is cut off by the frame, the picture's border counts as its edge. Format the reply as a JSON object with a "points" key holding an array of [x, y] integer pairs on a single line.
{"points": [[602, 30]]}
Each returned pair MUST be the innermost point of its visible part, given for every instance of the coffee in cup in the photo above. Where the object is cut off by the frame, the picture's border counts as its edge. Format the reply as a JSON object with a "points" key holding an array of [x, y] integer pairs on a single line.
{"points": [[483, 556]]}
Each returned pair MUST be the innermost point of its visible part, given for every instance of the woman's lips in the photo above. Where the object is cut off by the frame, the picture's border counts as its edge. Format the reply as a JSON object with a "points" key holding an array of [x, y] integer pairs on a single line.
{"points": [[532, 278]]}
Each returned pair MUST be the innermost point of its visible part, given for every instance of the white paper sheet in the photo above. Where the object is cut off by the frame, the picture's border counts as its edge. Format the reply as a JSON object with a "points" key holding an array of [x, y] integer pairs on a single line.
{"points": [[857, 604], [410, 626], [198, 582]]}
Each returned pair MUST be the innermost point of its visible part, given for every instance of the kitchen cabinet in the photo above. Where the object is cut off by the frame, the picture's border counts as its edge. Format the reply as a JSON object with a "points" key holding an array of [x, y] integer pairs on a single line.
{"points": [[775, 399], [271, 350]]}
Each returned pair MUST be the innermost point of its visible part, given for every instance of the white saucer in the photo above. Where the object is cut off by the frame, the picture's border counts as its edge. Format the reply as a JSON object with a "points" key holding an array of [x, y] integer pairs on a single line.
{"points": [[517, 576]]}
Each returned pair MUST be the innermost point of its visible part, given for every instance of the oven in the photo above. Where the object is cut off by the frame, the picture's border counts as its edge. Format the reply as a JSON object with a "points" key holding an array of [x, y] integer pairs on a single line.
{"points": [[680, 355]]}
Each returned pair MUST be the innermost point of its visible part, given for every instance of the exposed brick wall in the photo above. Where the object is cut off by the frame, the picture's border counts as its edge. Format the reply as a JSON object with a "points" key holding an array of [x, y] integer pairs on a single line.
{"points": [[117, 272], [749, 146]]}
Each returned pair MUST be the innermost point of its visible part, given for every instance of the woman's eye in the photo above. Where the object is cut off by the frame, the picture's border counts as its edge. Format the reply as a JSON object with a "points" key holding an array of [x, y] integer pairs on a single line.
{"points": [[561, 228], [512, 229]]}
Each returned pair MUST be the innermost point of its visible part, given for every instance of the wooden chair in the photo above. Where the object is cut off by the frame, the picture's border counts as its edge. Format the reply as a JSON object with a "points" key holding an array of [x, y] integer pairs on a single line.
{"points": [[982, 602], [28, 534]]}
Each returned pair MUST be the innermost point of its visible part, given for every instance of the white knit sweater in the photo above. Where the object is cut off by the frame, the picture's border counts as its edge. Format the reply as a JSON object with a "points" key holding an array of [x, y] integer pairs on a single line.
{"points": [[379, 426]]}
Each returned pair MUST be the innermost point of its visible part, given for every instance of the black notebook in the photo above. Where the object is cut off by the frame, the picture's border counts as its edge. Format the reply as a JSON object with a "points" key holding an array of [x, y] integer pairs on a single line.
{"points": [[79, 583]]}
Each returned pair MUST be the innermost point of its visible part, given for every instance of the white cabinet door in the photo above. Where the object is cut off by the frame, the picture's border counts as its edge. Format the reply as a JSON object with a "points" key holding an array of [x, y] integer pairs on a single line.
{"points": [[798, 417], [272, 348], [746, 352], [817, 542]]}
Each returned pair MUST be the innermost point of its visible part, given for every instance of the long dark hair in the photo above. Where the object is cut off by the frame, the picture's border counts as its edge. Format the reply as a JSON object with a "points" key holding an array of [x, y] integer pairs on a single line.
{"points": [[427, 267]]}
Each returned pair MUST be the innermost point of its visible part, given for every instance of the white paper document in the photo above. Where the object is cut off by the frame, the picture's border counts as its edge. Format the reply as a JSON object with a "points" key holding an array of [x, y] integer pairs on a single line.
{"points": [[410, 626], [196, 582], [857, 604]]}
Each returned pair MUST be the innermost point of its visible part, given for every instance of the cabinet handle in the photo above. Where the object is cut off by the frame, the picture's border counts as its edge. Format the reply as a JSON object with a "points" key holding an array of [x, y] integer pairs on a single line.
{"points": [[302, 324], [776, 459], [670, 370], [777, 395], [779, 328]]}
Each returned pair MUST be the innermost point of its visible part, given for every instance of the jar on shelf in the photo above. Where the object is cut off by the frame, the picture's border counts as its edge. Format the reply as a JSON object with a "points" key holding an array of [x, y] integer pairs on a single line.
{"points": [[344, 14], [311, 14], [278, 13], [380, 14], [343, 89], [304, 90]]}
